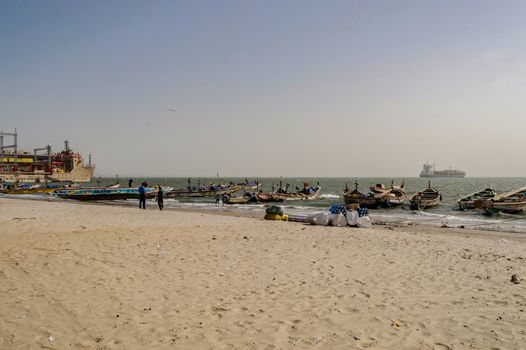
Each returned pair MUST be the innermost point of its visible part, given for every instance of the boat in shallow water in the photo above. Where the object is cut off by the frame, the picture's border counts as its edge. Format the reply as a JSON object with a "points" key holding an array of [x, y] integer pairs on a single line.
{"points": [[200, 192], [247, 197], [266, 197], [393, 196], [427, 198], [212, 190], [513, 202], [308, 193], [371, 200], [468, 202]]}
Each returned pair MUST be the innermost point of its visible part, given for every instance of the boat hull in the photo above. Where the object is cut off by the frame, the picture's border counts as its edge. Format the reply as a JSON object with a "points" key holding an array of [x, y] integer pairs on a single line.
{"points": [[200, 193], [424, 204], [296, 196], [426, 199], [104, 194]]}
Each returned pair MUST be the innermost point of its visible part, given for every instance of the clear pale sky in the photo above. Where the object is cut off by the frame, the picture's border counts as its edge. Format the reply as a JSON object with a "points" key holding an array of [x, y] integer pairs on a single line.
{"points": [[269, 88]]}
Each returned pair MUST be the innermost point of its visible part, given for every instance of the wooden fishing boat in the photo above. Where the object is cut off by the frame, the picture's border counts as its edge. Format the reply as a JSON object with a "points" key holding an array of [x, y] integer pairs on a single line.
{"points": [[370, 200], [31, 190], [200, 191], [212, 191], [308, 193], [427, 198], [90, 194], [249, 185], [513, 202], [397, 196], [44, 189], [516, 206], [393, 196], [247, 197], [468, 202], [266, 197]]}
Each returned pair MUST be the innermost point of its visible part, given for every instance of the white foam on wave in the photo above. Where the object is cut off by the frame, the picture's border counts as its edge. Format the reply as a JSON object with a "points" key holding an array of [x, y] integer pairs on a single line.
{"points": [[329, 196]]}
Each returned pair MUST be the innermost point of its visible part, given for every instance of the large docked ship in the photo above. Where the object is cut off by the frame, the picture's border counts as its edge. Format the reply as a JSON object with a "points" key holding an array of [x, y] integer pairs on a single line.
{"points": [[41, 165], [430, 171]]}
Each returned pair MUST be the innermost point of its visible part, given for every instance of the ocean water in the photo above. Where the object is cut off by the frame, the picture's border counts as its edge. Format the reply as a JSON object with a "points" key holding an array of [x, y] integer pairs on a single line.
{"points": [[446, 213]]}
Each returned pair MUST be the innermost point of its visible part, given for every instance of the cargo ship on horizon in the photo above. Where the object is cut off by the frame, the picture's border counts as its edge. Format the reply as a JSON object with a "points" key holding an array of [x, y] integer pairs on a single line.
{"points": [[430, 171], [42, 165]]}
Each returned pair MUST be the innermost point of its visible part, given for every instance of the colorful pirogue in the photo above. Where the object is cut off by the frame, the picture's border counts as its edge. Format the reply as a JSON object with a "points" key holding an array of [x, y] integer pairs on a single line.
{"points": [[89, 194], [31, 189]]}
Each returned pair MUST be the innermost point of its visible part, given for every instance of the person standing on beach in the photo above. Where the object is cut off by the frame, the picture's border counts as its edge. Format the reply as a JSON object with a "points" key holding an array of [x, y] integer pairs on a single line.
{"points": [[130, 182], [142, 196], [160, 198]]}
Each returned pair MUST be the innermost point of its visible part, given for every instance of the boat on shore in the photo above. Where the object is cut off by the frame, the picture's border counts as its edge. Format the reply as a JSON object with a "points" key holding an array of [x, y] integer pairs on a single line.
{"points": [[394, 196], [212, 190], [200, 191], [91, 194], [425, 199], [31, 189], [513, 202], [371, 200], [47, 188], [247, 197], [468, 202], [307, 193], [267, 197]]}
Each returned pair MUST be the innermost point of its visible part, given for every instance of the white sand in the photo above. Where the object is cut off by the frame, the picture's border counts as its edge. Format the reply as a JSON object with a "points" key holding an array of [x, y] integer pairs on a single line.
{"points": [[103, 277]]}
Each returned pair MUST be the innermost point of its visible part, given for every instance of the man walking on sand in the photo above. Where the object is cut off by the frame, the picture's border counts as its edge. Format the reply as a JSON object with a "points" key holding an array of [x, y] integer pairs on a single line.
{"points": [[142, 196]]}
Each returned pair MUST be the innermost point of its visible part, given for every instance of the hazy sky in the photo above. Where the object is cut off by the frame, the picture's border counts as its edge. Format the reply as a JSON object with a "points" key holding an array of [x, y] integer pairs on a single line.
{"points": [[269, 88]]}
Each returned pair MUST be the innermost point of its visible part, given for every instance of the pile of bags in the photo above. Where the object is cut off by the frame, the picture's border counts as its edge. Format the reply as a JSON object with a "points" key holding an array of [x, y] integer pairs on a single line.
{"points": [[340, 216], [275, 213]]}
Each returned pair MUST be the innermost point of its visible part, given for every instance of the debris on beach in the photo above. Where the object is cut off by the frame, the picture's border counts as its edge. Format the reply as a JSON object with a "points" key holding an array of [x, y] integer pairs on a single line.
{"points": [[515, 279], [338, 215], [276, 213]]}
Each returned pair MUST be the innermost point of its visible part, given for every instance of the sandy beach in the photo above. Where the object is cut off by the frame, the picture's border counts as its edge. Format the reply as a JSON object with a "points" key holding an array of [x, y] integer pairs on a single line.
{"points": [[76, 276]]}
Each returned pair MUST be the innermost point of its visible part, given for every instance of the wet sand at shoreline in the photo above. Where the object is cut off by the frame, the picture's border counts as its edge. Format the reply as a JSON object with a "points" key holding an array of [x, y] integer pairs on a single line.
{"points": [[113, 277]]}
